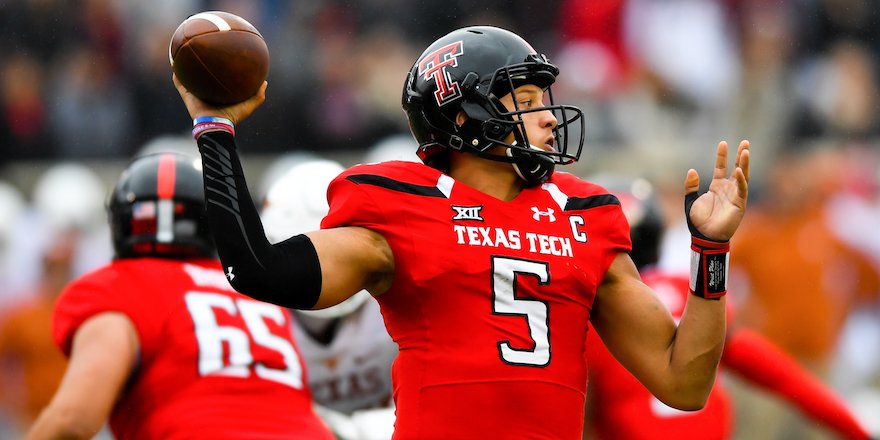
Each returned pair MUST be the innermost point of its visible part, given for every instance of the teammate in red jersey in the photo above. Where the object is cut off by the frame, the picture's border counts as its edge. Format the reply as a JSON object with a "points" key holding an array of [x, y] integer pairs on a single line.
{"points": [[158, 341], [615, 398], [487, 265]]}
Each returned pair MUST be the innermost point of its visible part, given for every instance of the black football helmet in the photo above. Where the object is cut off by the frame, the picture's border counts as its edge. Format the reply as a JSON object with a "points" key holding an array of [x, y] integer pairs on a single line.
{"points": [[469, 70], [157, 209], [643, 213]]}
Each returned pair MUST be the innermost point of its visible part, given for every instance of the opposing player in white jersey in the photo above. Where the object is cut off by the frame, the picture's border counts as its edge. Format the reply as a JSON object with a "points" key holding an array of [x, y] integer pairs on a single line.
{"points": [[346, 347]]}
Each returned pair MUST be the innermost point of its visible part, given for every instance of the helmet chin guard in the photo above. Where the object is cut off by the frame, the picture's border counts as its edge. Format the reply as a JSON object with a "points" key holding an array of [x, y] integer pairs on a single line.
{"points": [[534, 168]]}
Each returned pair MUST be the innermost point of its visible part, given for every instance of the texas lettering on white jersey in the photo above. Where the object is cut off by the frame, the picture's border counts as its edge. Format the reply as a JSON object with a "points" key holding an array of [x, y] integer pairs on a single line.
{"points": [[353, 371]]}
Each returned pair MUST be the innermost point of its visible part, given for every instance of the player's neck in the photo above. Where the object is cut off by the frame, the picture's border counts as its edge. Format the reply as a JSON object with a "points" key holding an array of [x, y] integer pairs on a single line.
{"points": [[493, 178]]}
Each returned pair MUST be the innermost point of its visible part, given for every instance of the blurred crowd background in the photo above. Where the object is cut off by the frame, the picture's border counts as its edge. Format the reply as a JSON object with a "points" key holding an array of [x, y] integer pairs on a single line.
{"points": [[85, 85]]}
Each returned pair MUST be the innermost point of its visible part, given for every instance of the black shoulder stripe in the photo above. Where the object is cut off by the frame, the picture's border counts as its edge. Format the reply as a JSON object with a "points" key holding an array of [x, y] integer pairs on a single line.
{"points": [[394, 185], [576, 203]]}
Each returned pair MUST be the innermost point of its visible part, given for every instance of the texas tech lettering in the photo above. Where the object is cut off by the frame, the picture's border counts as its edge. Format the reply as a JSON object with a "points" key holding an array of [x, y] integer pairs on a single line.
{"points": [[513, 239]]}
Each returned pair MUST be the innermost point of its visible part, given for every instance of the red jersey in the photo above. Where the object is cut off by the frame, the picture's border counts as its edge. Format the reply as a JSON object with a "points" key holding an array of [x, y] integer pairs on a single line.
{"points": [[213, 363], [617, 399], [622, 408], [490, 300]]}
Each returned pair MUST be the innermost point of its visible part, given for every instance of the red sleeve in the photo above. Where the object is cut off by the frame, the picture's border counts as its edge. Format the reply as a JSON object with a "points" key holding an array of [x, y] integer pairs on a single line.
{"points": [[350, 205], [607, 221], [619, 232], [79, 301], [756, 359], [108, 289]]}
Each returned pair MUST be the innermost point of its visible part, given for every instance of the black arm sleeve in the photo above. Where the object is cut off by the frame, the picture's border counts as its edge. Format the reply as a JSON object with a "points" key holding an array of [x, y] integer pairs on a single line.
{"points": [[287, 274]]}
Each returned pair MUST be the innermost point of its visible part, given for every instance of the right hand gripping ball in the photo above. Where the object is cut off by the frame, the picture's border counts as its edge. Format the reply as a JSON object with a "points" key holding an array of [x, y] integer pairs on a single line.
{"points": [[219, 57]]}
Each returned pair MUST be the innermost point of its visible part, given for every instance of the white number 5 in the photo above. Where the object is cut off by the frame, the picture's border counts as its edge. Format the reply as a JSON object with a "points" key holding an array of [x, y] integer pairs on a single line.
{"points": [[537, 313], [211, 337]]}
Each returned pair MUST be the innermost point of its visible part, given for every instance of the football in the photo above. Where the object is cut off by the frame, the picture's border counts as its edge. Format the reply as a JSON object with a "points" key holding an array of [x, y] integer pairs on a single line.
{"points": [[219, 57]]}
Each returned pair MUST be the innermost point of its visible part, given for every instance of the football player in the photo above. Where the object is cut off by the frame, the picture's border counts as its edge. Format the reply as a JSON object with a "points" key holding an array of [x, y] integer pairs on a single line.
{"points": [[615, 398], [159, 342], [486, 264]]}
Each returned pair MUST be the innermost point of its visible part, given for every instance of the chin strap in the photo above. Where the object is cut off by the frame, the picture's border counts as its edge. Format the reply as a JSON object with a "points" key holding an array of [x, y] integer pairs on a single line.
{"points": [[534, 168]]}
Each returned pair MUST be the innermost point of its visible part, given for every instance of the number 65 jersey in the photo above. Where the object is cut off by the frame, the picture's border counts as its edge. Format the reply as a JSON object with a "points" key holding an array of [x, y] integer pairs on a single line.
{"points": [[213, 363], [490, 300]]}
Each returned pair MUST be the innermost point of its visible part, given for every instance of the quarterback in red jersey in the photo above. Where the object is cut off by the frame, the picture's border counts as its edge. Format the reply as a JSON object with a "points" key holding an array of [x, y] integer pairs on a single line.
{"points": [[159, 342], [520, 265], [487, 265], [616, 398]]}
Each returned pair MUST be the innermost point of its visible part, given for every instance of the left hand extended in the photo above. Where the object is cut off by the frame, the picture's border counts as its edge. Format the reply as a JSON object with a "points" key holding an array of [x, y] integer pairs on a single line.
{"points": [[718, 212]]}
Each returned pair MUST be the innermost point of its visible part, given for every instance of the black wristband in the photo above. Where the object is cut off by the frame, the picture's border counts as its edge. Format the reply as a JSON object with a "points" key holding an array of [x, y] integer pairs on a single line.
{"points": [[709, 258], [287, 274], [709, 263]]}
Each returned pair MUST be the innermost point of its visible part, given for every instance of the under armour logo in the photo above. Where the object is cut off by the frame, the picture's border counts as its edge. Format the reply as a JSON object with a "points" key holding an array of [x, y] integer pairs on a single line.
{"points": [[539, 213], [229, 274], [467, 212]]}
